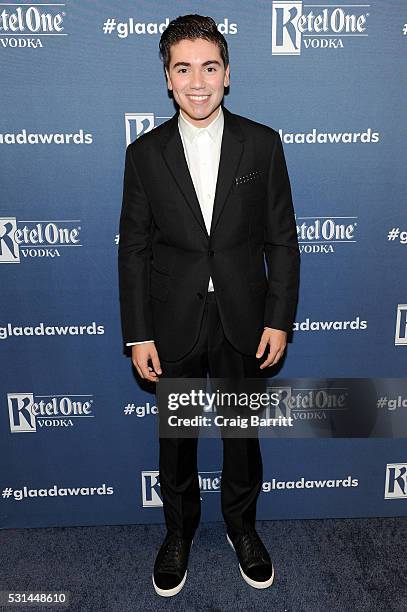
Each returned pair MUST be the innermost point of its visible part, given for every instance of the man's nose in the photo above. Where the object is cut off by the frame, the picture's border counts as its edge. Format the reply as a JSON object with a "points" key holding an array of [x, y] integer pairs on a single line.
{"points": [[197, 80]]}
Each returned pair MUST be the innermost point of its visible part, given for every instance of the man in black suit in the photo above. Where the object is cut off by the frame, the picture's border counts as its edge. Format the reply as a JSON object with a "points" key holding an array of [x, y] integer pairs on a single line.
{"points": [[206, 200]]}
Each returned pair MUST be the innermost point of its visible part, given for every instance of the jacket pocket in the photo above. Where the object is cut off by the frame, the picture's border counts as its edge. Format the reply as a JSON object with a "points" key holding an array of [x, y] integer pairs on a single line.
{"points": [[253, 190]]}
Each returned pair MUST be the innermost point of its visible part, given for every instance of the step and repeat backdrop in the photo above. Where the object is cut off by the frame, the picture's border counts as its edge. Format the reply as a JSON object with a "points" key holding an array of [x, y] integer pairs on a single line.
{"points": [[79, 81]]}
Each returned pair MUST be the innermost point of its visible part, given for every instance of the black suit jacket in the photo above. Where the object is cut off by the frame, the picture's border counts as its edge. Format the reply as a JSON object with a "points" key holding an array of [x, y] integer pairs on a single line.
{"points": [[166, 256]]}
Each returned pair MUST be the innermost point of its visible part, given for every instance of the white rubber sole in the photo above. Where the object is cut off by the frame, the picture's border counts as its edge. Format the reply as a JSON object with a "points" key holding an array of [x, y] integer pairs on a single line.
{"points": [[253, 583], [170, 592]]}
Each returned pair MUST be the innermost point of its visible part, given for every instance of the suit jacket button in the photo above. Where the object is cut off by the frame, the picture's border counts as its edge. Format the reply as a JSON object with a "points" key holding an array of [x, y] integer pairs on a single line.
{"points": [[211, 253], [200, 296]]}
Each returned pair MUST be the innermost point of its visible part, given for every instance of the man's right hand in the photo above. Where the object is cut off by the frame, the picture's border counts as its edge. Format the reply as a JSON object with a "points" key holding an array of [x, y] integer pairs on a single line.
{"points": [[140, 354]]}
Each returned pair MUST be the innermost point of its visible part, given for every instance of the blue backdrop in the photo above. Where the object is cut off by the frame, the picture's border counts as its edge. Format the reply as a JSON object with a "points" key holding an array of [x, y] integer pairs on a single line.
{"points": [[80, 80]]}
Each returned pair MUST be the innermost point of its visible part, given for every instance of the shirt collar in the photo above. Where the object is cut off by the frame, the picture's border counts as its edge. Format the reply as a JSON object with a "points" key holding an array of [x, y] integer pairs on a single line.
{"points": [[214, 129]]}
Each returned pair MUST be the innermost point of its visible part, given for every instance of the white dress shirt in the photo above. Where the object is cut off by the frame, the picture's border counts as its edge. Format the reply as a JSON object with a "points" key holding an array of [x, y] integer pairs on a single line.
{"points": [[202, 151]]}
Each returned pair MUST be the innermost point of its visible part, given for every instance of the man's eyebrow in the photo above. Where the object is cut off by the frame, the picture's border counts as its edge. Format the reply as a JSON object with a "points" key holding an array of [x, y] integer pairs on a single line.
{"points": [[203, 64]]}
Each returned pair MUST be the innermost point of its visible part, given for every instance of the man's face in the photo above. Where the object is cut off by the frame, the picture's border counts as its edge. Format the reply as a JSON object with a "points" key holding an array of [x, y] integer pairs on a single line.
{"points": [[197, 78]]}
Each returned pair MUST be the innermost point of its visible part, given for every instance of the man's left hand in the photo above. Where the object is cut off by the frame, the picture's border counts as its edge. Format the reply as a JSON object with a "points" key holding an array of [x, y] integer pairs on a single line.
{"points": [[276, 339]]}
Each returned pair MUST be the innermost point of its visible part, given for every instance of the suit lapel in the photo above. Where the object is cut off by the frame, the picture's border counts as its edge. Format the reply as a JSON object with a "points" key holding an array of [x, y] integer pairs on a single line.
{"points": [[230, 154], [174, 157]]}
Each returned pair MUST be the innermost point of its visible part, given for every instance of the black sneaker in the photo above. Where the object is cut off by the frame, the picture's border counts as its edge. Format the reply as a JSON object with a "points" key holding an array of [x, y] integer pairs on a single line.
{"points": [[170, 568], [254, 561]]}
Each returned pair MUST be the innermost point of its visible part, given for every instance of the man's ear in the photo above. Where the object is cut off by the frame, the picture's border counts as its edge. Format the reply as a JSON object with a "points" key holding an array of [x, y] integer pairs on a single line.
{"points": [[226, 80], [169, 84]]}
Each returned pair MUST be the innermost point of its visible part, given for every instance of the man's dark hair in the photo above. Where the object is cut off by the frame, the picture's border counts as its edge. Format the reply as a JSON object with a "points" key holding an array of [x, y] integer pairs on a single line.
{"points": [[192, 27]]}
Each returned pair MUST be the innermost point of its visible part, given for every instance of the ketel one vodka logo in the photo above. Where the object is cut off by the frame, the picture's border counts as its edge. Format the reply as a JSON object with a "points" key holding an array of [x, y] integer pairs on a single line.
{"points": [[307, 404], [396, 481], [27, 411], [296, 25], [22, 239], [209, 482], [323, 234], [150, 489], [138, 124], [29, 25], [401, 325]]}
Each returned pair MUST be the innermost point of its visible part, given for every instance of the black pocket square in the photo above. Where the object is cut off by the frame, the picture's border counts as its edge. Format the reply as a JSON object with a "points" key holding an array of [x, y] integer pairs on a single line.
{"points": [[246, 178]]}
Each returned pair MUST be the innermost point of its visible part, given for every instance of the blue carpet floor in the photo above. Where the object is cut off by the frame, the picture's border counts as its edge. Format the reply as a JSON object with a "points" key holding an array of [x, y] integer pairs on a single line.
{"points": [[341, 565]]}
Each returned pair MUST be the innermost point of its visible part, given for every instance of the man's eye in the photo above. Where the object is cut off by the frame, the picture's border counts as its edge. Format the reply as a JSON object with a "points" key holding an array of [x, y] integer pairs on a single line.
{"points": [[209, 68]]}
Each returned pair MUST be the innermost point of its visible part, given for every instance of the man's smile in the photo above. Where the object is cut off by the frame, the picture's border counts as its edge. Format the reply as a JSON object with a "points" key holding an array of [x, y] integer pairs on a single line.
{"points": [[198, 99]]}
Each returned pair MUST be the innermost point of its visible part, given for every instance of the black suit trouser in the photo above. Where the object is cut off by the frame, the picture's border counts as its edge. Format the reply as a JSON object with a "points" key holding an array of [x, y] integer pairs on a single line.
{"points": [[242, 470]]}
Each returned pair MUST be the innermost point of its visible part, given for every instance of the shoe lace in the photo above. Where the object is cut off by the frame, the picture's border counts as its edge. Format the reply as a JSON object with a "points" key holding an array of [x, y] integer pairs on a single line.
{"points": [[253, 547], [170, 555]]}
